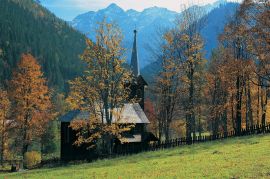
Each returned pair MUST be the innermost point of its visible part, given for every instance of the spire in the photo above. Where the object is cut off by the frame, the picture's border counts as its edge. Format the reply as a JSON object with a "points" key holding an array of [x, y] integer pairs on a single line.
{"points": [[134, 58]]}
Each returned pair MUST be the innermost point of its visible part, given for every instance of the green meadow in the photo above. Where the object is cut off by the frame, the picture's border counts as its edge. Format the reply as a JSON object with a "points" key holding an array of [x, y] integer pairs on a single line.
{"points": [[243, 157]]}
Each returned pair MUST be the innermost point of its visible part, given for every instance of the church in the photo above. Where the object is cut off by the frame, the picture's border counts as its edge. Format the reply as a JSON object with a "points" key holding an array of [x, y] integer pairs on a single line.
{"points": [[131, 114]]}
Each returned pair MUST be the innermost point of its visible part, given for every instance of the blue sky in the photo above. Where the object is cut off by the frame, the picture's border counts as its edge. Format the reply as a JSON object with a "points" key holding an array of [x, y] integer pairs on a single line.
{"points": [[68, 9]]}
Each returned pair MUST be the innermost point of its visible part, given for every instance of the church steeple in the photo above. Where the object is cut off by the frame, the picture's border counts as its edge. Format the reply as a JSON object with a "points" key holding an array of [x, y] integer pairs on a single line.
{"points": [[134, 58]]}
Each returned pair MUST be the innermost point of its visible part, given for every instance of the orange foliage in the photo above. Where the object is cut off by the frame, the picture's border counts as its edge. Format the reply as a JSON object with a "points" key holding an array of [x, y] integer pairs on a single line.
{"points": [[32, 104]]}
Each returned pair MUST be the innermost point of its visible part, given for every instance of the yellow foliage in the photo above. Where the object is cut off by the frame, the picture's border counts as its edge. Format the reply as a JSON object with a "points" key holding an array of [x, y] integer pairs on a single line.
{"points": [[103, 88], [32, 159]]}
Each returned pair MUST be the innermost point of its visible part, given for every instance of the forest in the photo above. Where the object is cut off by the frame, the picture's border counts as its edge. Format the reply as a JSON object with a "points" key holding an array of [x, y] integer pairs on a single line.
{"points": [[27, 27], [229, 91], [48, 68]]}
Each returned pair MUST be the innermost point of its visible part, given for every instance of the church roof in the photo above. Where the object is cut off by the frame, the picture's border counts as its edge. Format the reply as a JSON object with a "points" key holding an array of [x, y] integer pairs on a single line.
{"points": [[129, 114], [131, 138], [141, 80]]}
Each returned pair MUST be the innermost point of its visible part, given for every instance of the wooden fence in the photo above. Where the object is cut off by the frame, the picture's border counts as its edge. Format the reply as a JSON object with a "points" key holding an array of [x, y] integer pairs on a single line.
{"points": [[136, 148], [133, 148]]}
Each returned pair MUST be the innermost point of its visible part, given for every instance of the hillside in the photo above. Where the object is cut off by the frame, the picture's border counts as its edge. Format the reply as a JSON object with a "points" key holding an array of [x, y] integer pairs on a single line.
{"points": [[25, 26], [245, 157]]}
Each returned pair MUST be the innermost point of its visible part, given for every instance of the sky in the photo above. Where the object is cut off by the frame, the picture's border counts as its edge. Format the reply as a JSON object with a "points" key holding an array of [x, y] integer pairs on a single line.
{"points": [[68, 9]]}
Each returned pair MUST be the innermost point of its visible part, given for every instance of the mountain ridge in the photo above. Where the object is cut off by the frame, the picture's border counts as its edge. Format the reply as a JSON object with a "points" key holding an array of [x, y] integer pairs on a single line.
{"points": [[147, 22]]}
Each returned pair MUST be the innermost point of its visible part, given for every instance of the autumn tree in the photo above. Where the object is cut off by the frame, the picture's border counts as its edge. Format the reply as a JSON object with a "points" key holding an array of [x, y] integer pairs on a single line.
{"points": [[243, 46], [31, 104], [180, 81], [5, 122], [167, 85], [219, 85], [103, 90], [235, 46], [256, 15], [189, 50]]}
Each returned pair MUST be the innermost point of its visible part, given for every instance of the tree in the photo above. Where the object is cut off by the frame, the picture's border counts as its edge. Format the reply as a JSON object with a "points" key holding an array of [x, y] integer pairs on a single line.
{"points": [[4, 122], [167, 85], [218, 91], [150, 112], [50, 138], [182, 67], [192, 66], [190, 45], [256, 15], [32, 107], [244, 62], [103, 90], [54, 43], [235, 44]]}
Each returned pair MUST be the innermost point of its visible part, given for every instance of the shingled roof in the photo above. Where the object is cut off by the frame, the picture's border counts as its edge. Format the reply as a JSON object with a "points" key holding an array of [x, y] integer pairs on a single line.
{"points": [[130, 114]]}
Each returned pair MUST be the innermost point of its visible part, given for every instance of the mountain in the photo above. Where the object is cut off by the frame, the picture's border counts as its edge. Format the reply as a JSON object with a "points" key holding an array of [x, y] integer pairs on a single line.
{"points": [[149, 23], [215, 21], [146, 22], [27, 27]]}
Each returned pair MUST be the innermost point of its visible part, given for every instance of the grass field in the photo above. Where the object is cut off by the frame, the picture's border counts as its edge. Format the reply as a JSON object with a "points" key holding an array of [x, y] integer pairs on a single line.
{"points": [[245, 157]]}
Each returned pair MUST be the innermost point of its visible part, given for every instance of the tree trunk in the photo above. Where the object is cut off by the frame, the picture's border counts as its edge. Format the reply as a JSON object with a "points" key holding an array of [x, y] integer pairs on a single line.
{"points": [[247, 110], [2, 149], [160, 126], [258, 105], [3, 142], [232, 113], [25, 136], [238, 106], [225, 122], [215, 125], [193, 126], [25, 149], [199, 124], [191, 103], [188, 129], [250, 111], [167, 135], [264, 106]]}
